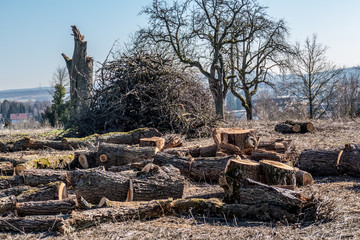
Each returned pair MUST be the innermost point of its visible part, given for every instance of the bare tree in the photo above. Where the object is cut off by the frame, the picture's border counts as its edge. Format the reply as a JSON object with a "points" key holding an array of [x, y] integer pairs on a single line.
{"points": [[252, 59], [348, 95], [197, 32], [310, 76], [60, 76]]}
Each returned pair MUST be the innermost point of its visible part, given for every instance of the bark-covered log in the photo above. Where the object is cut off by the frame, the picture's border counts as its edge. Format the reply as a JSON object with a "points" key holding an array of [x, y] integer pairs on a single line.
{"points": [[15, 160], [10, 181], [131, 166], [158, 142], [303, 178], [116, 212], [286, 128], [118, 154], [85, 142], [49, 191], [90, 157], [53, 162], [173, 140], [230, 149], [36, 177], [17, 190], [131, 137], [349, 160], [3, 147], [277, 145], [6, 168], [184, 151], [319, 162], [7, 203], [198, 169], [27, 143], [276, 173], [31, 223], [260, 154], [93, 184], [304, 126], [50, 207], [244, 139], [155, 182]]}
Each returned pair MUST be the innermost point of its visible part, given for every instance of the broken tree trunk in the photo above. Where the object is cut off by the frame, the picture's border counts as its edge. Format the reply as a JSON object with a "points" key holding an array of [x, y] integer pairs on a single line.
{"points": [[117, 154], [153, 142], [80, 69], [276, 173], [7, 204], [50, 207], [116, 212]]}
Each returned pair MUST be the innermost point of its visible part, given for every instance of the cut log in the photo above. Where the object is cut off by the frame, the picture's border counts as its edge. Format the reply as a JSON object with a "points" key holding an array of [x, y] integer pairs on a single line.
{"points": [[90, 157], [13, 191], [36, 177], [15, 160], [7, 204], [10, 181], [303, 178], [6, 168], [260, 154], [120, 212], [130, 138], [349, 160], [131, 166], [50, 207], [278, 145], [304, 126], [319, 162], [216, 133], [31, 223], [49, 191], [286, 128], [83, 161], [276, 173], [27, 143], [53, 162], [92, 185], [184, 151], [198, 169], [244, 139], [230, 149], [208, 151], [173, 140], [118, 154], [85, 142], [62, 191], [153, 142]]}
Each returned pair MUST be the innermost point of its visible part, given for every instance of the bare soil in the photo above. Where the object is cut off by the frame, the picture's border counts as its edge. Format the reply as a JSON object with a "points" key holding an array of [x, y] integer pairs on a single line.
{"points": [[339, 213]]}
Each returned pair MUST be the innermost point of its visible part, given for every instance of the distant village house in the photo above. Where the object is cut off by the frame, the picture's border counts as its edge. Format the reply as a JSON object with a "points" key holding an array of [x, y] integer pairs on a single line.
{"points": [[18, 118]]}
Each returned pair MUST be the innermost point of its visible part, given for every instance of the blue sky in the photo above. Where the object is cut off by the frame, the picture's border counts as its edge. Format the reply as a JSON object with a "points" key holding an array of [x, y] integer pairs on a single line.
{"points": [[34, 33]]}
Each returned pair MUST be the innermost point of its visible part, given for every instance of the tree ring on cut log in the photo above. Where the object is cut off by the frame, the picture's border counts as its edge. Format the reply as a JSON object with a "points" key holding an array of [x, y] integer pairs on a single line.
{"points": [[83, 161], [63, 192], [103, 158]]}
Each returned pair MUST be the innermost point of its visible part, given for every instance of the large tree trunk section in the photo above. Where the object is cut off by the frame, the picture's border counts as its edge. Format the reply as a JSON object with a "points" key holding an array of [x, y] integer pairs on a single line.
{"points": [[53, 162], [7, 204], [153, 142], [349, 160], [118, 154], [131, 137], [244, 139], [80, 69], [50, 207], [155, 182], [303, 178], [319, 162], [276, 173], [285, 128], [116, 212], [31, 224], [198, 169], [49, 191], [6, 168], [36, 177], [92, 185], [84, 142], [88, 156]]}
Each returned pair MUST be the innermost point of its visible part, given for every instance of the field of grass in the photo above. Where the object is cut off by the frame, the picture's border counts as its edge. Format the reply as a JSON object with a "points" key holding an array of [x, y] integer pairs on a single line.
{"points": [[339, 213]]}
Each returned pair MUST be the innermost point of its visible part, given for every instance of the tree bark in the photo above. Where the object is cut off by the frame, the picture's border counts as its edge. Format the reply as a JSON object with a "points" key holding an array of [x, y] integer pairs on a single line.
{"points": [[50, 207], [17, 190], [27, 143], [31, 223], [319, 162], [80, 69], [7, 203], [118, 154], [6, 168], [49, 191], [116, 212], [260, 154], [276, 173], [53, 162], [349, 160], [36, 177], [10, 181], [131, 137]]}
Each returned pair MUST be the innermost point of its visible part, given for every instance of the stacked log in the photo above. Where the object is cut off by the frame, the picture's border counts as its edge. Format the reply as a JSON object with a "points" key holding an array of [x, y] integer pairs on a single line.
{"points": [[129, 138], [294, 127], [27, 143]]}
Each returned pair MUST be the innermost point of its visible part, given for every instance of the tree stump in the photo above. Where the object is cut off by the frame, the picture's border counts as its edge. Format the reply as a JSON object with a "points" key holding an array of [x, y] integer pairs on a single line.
{"points": [[246, 140], [276, 173]]}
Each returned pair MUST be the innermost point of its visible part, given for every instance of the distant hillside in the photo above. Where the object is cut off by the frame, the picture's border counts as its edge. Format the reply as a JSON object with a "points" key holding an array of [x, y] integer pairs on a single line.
{"points": [[28, 94]]}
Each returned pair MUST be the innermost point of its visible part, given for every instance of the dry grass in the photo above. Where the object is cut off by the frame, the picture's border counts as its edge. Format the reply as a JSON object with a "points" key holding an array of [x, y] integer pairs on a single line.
{"points": [[339, 215]]}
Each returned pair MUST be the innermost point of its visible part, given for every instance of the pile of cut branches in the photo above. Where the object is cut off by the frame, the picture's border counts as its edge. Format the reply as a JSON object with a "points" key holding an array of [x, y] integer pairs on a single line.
{"points": [[148, 90]]}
